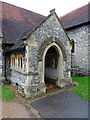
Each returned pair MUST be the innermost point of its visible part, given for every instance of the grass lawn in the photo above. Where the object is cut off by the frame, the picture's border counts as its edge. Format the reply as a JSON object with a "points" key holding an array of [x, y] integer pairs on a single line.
{"points": [[83, 87], [6, 93]]}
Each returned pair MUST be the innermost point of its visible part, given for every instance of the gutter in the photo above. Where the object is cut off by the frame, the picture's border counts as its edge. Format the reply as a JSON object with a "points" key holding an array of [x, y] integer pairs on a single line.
{"points": [[76, 26]]}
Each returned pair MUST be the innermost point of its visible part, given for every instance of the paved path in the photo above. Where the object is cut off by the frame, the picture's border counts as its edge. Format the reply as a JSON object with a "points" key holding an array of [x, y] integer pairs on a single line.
{"points": [[62, 105], [18, 108]]}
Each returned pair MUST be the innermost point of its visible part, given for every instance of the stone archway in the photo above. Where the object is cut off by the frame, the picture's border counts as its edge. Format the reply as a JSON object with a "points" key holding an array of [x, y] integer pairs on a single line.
{"points": [[46, 43], [63, 74], [51, 67], [60, 64]]}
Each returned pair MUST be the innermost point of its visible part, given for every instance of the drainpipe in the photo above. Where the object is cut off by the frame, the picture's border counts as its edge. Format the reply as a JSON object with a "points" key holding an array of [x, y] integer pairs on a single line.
{"points": [[4, 54], [1, 39]]}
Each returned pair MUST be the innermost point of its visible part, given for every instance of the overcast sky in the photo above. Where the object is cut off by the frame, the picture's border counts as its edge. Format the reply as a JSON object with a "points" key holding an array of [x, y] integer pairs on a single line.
{"points": [[44, 6]]}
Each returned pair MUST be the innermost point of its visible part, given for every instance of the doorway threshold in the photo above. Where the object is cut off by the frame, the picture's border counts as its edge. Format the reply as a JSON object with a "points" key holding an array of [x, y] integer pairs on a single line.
{"points": [[49, 92], [49, 85]]}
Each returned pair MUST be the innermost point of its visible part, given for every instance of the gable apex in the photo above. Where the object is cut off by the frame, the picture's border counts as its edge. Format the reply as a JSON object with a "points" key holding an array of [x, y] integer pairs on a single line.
{"points": [[54, 15], [51, 23], [52, 11]]}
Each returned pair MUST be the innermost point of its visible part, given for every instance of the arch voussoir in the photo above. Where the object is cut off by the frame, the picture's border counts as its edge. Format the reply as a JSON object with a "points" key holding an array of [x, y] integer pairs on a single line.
{"points": [[48, 42]]}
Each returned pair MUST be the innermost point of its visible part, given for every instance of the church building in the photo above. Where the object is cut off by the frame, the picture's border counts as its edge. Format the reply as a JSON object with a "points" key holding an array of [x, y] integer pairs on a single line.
{"points": [[36, 50]]}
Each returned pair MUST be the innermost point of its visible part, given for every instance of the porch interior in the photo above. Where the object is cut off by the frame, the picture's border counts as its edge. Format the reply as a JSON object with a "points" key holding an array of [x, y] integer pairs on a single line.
{"points": [[51, 63]]}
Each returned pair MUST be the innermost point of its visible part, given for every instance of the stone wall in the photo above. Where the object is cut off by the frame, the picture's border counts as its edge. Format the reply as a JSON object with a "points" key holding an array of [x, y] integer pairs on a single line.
{"points": [[1, 39], [15, 75], [30, 80], [51, 28], [51, 31], [18, 79], [80, 57]]}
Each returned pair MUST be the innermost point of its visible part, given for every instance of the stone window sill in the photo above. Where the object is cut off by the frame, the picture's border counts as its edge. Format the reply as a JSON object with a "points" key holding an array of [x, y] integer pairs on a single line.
{"points": [[18, 70]]}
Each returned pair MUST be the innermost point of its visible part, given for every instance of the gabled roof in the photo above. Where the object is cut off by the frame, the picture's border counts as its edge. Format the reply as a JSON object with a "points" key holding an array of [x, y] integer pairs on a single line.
{"points": [[76, 17], [16, 20], [19, 44], [20, 41]]}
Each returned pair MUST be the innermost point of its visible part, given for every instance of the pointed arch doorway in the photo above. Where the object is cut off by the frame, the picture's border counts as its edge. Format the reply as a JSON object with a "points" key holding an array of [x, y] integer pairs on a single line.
{"points": [[53, 66]]}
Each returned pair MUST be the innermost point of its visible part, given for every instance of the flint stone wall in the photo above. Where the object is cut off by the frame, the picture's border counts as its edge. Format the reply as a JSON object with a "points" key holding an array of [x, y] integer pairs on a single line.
{"points": [[15, 75], [51, 29], [80, 57]]}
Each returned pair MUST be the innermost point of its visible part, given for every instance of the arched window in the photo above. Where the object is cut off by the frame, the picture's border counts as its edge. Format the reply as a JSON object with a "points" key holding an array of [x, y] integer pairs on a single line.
{"points": [[19, 61], [12, 60], [73, 46]]}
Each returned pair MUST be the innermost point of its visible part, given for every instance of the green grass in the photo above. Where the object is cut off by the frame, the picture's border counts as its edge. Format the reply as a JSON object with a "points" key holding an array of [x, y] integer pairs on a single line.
{"points": [[6, 93], [83, 87]]}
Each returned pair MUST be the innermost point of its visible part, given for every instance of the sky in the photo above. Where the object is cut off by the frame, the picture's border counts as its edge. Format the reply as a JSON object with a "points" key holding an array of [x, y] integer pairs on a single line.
{"points": [[44, 6]]}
